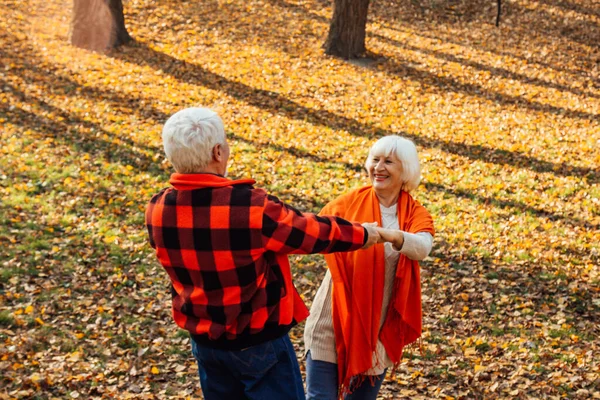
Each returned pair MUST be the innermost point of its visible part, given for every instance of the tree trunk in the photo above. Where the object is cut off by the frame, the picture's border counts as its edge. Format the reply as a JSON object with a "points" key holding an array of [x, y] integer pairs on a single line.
{"points": [[347, 29], [98, 25], [499, 3]]}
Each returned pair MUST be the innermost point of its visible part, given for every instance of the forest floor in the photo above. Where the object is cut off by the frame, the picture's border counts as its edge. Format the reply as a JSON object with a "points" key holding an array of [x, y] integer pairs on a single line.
{"points": [[506, 120]]}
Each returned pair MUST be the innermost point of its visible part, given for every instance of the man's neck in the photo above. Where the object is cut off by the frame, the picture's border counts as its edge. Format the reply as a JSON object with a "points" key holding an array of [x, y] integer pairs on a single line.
{"points": [[202, 172], [211, 169]]}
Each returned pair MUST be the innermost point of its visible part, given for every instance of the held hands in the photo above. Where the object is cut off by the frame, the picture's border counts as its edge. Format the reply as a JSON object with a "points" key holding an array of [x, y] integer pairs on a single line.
{"points": [[394, 236], [373, 234], [382, 235]]}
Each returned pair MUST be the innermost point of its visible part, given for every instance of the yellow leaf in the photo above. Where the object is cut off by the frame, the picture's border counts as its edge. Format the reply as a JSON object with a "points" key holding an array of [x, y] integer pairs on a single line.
{"points": [[416, 374], [110, 239], [154, 371], [29, 309], [469, 351], [575, 338], [39, 321]]}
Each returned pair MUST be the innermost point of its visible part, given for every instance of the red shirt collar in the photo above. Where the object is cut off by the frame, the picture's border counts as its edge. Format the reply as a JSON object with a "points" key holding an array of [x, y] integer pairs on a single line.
{"points": [[199, 181]]}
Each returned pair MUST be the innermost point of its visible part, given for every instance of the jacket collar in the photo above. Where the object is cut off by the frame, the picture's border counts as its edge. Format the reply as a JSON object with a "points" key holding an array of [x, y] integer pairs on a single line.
{"points": [[199, 181]]}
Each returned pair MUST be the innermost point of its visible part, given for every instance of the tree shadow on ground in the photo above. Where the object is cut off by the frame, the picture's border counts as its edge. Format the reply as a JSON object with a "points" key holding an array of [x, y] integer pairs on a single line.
{"points": [[568, 6], [278, 104], [494, 70], [541, 284], [447, 84], [81, 135], [537, 22], [65, 127], [510, 205], [543, 29]]}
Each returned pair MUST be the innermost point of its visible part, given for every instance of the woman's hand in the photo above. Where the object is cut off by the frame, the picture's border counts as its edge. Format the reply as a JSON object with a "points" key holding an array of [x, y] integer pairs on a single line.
{"points": [[394, 236]]}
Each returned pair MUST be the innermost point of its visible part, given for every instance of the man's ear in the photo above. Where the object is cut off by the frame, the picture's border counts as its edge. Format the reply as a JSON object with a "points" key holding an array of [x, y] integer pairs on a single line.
{"points": [[217, 152]]}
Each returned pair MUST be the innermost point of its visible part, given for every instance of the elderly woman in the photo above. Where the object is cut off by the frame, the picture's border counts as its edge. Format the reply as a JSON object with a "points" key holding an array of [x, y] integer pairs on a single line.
{"points": [[369, 304]]}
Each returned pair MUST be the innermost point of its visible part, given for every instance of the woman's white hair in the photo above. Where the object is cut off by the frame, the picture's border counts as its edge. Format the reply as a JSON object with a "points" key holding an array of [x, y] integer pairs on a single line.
{"points": [[189, 137], [406, 152]]}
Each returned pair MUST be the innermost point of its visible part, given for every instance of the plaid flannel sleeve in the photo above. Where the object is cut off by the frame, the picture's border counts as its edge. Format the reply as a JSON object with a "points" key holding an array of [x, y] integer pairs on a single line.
{"points": [[287, 230]]}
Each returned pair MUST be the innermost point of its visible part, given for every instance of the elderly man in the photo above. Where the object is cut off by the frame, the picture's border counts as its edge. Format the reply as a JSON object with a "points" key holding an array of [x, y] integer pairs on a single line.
{"points": [[224, 244]]}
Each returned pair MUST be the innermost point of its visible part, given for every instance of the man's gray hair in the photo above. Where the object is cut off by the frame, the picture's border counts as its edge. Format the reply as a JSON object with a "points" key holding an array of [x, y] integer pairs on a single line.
{"points": [[406, 152], [189, 137]]}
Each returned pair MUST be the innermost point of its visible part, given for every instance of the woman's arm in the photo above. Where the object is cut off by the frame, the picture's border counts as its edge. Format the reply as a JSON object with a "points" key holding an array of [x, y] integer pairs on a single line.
{"points": [[415, 246]]}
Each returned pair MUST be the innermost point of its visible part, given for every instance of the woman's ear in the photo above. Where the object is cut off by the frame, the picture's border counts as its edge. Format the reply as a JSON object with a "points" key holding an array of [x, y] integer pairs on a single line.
{"points": [[367, 165]]}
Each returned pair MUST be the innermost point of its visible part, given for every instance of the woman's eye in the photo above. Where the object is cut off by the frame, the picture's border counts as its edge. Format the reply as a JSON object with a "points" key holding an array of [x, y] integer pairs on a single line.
{"points": [[388, 161]]}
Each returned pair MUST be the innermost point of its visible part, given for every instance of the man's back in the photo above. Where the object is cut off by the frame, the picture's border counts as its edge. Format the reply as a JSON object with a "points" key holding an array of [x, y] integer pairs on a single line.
{"points": [[223, 244]]}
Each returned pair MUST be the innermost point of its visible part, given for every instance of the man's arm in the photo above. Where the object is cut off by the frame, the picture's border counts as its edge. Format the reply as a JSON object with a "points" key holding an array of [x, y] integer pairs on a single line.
{"points": [[287, 230]]}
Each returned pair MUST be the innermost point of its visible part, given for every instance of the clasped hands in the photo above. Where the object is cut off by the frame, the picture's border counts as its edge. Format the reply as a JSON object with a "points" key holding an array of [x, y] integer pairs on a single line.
{"points": [[382, 235]]}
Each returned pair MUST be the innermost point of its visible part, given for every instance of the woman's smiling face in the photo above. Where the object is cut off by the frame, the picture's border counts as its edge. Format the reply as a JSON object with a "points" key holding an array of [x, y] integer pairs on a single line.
{"points": [[385, 173]]}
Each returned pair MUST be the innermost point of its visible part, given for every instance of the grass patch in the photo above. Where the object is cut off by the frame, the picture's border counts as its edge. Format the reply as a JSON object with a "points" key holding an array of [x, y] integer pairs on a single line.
{"points": [[7, 320]]}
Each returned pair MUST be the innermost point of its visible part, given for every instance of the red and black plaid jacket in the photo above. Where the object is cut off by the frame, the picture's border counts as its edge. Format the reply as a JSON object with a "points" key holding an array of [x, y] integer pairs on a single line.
{"points": [[224, 245]]}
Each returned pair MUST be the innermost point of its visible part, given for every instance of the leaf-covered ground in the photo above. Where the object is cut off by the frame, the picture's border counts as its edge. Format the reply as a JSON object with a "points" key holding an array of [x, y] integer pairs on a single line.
{"points": [[506, 120]]}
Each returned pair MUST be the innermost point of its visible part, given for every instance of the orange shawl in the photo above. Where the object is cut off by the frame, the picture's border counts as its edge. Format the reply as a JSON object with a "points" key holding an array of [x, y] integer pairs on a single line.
{"points": [[358, 282]]}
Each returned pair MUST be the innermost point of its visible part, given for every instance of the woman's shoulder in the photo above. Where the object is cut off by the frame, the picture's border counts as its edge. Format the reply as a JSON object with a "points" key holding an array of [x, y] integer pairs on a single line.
{"points": [[352, 195], [346, 201]]}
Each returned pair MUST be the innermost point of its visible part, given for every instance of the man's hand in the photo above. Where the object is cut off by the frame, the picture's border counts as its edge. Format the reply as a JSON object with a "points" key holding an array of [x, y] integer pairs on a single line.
{"points": [[373, 234]]}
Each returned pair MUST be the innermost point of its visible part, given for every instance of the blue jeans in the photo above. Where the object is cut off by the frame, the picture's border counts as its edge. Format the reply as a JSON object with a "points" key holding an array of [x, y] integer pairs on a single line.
{"points": [[322, 382], [266, 371]]}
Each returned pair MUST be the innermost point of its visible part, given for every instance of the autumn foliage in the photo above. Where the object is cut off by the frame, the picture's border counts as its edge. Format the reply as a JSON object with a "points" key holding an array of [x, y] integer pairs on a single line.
{"points": [[506, 121]]}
